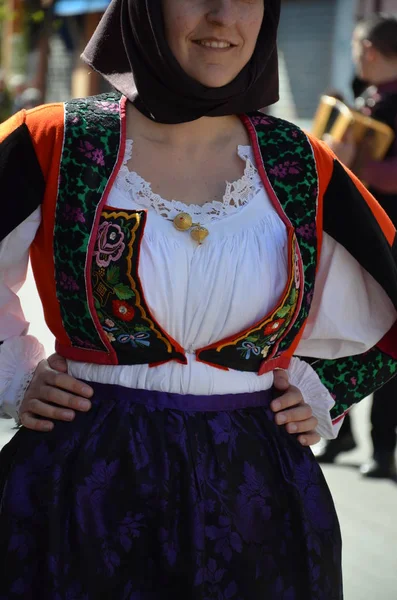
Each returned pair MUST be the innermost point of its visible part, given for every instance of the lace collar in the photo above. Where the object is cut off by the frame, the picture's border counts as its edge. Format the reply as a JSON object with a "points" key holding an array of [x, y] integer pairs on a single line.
{"points": [[237, 194]]}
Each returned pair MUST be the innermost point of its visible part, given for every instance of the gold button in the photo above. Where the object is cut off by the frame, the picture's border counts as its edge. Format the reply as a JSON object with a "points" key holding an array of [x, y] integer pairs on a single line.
{"points": [[183, 222], [199, 234]]}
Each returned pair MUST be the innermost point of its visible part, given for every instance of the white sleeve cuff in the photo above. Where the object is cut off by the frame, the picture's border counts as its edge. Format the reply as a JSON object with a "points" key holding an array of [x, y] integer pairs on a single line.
{"points": [[19, 357], [316, 395]]}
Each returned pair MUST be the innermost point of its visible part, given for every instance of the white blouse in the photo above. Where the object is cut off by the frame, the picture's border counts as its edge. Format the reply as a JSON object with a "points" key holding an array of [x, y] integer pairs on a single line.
{"points": [[203, 293]]}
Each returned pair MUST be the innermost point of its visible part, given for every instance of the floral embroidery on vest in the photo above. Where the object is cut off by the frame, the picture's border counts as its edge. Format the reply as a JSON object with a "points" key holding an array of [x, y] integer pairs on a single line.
{"points": [[291, 171], [101, 300], [118, 295], [115, 323], [261, 341], [92, 140], [265, 338], [347, 377]]}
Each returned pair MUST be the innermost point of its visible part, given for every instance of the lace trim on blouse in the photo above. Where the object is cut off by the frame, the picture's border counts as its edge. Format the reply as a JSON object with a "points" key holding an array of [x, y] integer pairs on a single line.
{"points": [[25, 383], [237, 194]]}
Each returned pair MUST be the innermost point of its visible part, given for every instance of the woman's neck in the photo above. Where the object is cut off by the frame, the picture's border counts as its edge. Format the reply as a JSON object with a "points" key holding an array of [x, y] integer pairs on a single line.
{"points": [[204, 132]]}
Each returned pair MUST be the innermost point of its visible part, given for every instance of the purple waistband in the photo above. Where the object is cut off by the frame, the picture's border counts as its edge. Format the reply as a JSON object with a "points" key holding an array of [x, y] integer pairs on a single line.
{"points": [[188, 402]]}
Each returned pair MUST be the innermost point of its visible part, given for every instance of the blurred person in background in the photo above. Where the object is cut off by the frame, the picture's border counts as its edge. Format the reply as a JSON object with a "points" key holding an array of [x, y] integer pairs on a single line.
{"points": [[374, 48]]}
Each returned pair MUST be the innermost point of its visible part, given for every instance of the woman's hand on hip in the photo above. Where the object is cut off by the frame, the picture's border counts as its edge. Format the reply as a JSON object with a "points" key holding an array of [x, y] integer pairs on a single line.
{"points": [[53, 395], [293, 412]]}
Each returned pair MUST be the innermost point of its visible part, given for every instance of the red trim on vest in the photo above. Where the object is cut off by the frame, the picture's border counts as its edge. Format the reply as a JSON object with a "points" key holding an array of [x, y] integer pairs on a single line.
{"points": [[323, 183], [300, 293], [99, 357], [173, 342], [235, 336], [287, 354], [339, 419], [262, 172], [94, 232], [282, 362], [291, 231]]}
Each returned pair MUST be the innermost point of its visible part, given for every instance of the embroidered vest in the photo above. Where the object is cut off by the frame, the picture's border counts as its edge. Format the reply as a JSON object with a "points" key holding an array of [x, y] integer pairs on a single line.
{"points": [[96, 248]]}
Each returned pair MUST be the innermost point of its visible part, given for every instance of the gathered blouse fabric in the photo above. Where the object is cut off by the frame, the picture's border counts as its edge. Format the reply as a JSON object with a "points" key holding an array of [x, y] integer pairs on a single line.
{"points": [[202, 293]]}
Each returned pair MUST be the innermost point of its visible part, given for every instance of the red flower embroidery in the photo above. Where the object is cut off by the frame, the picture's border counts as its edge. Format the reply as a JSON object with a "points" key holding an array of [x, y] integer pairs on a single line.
{"points": [[122, 310], [273, 326]]}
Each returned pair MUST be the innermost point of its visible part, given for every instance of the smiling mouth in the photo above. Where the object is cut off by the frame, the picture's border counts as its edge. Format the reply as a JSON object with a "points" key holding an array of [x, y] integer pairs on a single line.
{"points": [[215, 44]]}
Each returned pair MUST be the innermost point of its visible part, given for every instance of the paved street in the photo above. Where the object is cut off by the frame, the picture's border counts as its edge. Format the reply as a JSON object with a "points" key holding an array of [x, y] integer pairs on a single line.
{"points": [[367, 510]]}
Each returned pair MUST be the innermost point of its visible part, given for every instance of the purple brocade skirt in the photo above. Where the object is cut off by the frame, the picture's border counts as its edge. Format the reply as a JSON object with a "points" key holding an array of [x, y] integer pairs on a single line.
{"points": [[156, 496]]}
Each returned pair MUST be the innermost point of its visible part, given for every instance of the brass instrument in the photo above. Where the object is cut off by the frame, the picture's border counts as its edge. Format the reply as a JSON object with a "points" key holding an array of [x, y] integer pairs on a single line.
{"points": [[335, 118]]}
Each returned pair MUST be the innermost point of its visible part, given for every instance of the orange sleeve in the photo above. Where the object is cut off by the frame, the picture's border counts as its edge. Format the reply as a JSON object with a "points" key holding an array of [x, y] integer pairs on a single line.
{"points": [[8, 127], [325, 160], [46, 128], [355, 220]]}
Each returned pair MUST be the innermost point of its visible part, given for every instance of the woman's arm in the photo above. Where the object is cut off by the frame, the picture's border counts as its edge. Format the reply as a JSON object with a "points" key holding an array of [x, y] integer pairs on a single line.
{"points": [[24, 161], [350, 315], [29, 386], [350, 339], [19, 353]]}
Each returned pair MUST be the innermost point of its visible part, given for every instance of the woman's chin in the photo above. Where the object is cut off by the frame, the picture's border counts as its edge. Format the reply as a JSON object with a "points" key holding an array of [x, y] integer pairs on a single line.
{"points": [[212, 81]]}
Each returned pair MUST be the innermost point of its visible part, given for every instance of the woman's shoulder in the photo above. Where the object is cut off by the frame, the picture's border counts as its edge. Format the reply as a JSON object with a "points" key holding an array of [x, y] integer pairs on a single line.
{"points": [[34, 136], [42, 122], [291, 137], [46, 121], [262, 121]]}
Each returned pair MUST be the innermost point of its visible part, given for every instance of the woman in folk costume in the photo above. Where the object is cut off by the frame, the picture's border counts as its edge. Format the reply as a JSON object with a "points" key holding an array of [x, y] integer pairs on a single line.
{"points": [[178, 482]]}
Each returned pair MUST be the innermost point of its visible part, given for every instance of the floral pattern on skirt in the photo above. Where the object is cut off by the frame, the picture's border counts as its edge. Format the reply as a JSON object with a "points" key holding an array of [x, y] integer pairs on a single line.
{"points": [[155, 496]]}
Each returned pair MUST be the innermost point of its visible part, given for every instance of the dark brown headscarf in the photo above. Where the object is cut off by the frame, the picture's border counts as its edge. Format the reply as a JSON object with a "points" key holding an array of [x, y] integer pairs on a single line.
{"points": [[130, 50]]}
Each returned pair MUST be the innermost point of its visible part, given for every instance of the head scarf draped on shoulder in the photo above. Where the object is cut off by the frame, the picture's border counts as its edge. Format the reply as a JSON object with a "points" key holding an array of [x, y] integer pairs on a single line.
{"points": [[130, 51]]}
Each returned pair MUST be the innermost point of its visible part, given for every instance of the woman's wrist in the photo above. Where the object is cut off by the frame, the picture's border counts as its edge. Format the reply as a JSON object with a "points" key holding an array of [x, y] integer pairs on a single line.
{"points": [[19, 357], [314, 392]]}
